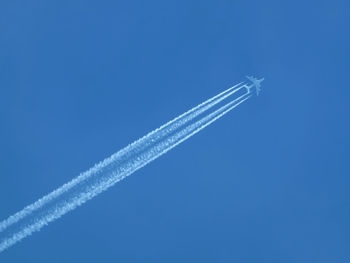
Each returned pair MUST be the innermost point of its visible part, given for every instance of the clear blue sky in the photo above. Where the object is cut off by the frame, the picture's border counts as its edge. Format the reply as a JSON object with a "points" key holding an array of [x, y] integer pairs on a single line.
{"points": [[267, 183]]}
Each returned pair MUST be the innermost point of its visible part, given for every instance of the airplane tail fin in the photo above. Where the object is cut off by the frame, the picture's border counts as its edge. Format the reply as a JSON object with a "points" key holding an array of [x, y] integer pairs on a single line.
{"points": [[251, 78]]}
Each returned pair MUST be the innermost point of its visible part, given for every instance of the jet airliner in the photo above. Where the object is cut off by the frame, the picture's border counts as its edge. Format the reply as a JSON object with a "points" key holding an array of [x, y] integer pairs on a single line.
{"points": [[256, 84]]}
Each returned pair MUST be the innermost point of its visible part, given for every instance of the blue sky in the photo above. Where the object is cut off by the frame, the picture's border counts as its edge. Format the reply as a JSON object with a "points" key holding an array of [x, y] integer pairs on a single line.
{"points": [[267, 183]]}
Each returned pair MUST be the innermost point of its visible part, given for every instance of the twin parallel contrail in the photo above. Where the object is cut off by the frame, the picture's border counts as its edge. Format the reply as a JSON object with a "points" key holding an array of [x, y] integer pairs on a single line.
{"points": [[120, 165]]}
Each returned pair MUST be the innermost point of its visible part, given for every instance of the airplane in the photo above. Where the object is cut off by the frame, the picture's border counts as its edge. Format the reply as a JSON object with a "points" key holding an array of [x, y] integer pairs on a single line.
{"points": [[256, 84]]}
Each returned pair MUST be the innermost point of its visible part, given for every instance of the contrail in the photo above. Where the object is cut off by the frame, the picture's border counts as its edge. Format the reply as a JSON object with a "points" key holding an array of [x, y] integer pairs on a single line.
{"points": [[113, 169], [141, 143]]}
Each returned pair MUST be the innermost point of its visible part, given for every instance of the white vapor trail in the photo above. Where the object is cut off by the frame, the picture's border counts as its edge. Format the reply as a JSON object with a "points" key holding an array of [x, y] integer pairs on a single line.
{"points": [[115, 168], [150, 137]]}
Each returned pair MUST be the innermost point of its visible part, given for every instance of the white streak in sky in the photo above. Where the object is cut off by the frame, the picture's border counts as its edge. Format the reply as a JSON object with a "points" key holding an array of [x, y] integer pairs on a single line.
{"points": [[113, 169], [144, 141]]}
